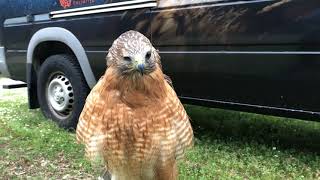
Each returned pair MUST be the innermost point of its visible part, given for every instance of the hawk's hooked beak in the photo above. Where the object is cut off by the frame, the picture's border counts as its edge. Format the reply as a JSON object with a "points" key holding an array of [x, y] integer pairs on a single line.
{"points": [[139, 64], [141, 68]]}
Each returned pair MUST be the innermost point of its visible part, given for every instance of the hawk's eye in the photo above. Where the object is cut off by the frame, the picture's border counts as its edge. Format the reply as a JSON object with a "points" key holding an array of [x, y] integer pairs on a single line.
{"points": [[148, 55], [127, 58]]}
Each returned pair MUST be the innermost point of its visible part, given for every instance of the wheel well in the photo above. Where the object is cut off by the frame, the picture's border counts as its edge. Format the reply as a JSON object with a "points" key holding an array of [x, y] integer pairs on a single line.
{"points": [[49, 48], [41, 52]]}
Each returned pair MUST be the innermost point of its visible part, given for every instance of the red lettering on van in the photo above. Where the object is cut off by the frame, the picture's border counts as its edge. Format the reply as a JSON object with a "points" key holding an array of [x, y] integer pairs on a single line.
{"points": [[65, 3]]}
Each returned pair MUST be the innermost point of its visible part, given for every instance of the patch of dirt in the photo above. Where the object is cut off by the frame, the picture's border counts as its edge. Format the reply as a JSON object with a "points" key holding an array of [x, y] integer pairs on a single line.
{"points": [[3, 145], [40, 167]]}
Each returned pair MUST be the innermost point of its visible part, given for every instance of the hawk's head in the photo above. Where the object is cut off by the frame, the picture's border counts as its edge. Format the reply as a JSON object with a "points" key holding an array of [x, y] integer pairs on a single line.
{"points": [[132, 53]]}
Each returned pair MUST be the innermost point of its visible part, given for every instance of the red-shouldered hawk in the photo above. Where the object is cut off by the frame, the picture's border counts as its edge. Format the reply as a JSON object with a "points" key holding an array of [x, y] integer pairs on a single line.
{"points": [[133, 118]]}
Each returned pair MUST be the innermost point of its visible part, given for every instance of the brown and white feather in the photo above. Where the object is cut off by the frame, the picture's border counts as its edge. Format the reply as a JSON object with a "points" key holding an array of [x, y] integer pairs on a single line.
{"points": [[137, 125]]}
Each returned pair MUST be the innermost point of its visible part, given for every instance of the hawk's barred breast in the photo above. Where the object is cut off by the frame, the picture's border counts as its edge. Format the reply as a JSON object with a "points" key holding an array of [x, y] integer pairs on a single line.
{"points": [[135, 122]]}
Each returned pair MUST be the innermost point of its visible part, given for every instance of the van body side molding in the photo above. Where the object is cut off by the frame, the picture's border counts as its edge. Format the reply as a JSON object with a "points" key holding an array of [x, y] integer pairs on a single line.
{"points": [[66, 37]]}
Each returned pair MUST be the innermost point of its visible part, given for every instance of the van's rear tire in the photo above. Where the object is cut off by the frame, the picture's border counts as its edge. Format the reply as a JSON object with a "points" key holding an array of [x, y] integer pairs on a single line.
{"points": [[62, 90]]}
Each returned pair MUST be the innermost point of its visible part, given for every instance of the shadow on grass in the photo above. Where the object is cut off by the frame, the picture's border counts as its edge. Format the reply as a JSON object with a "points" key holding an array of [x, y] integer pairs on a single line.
{"points": [[268, 130]]}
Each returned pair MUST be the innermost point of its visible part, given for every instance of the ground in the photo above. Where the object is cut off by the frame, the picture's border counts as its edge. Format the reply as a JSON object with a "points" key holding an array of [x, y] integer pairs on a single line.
{"points": [[228, 145]]}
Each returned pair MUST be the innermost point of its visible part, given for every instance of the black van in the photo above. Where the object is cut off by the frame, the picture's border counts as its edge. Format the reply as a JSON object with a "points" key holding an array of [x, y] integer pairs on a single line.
{"points": [[250, 55]]}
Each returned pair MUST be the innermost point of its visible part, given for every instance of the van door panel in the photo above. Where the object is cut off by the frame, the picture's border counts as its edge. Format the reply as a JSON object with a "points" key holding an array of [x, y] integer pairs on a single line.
{"points": [[16, 38], [201, 50]]}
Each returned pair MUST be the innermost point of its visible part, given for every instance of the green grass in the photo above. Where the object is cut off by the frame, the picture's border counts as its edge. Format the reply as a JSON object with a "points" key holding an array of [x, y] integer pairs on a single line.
{"points": [[237, 146], [31, 146]]}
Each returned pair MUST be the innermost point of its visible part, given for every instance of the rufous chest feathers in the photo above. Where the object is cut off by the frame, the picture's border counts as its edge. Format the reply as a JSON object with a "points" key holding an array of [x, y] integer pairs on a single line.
{"points": [[137, 90]]}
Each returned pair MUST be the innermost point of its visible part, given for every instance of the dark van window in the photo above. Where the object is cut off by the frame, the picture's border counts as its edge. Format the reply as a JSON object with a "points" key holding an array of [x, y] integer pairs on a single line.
{"points": [[40, 6], [16, 8]]}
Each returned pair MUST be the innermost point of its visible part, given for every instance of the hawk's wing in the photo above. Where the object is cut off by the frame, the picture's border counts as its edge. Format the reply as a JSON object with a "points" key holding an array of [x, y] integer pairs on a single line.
{"points": [[181, 129], [91, 127], [168, 79]]}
